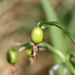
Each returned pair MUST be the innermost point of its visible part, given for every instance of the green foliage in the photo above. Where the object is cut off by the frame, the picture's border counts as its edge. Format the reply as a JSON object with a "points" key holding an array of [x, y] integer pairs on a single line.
{"points": [[1, 0]]}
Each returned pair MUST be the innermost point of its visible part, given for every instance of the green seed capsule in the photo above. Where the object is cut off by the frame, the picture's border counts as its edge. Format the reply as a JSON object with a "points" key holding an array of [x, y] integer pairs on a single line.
{"points": [[28, 51], [37, 35], [12, 56]]}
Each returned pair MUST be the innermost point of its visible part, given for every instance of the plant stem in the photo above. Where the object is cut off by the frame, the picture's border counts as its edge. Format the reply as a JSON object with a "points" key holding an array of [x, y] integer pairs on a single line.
{"points": [[56, 34], [71, 27], [44, 25], [59, 54]]}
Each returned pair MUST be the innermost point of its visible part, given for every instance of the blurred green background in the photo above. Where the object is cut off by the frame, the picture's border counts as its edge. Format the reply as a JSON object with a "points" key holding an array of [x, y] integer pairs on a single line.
{"points": [[17, 19]]}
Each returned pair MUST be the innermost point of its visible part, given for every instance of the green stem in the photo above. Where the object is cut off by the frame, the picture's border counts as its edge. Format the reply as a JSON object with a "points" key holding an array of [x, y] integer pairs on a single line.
{"points": [[71, 27], [44, 25], [56, 35], [59, 54], [62, 57]]}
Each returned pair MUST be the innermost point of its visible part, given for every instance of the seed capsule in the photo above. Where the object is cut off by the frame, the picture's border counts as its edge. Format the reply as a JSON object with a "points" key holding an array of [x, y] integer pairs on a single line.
{"points": [[37, 35], [28, 51], [12, 56]]}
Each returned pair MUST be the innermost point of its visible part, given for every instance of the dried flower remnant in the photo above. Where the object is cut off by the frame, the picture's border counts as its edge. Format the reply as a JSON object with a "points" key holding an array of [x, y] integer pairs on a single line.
{"points": [[34, 51]]}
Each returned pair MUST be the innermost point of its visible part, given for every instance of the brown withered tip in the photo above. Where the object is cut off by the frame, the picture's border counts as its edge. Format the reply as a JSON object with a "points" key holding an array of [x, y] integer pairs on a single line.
{"points": [[31, 59], [13, 69], [34, 51]]}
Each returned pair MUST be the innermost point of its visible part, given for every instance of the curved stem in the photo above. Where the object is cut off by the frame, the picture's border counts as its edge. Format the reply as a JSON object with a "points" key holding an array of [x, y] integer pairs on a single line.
{"points": [[22, 45], [44, 25], [57, 52], [53, 50], [62, 56]]}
